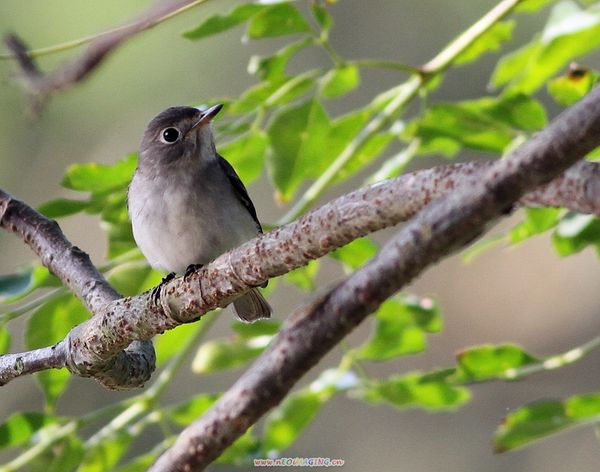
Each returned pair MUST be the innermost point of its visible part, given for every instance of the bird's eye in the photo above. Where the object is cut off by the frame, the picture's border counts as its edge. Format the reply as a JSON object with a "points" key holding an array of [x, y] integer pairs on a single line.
{"points": [[169, 135]]}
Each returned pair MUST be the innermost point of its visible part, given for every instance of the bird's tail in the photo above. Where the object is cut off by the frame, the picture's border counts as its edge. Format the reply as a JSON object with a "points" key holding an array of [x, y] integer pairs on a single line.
{"points": [[251, 307]]}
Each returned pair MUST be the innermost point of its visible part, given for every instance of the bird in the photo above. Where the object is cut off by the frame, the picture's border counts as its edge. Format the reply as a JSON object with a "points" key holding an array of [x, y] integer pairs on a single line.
{"points": [[187, 204]]}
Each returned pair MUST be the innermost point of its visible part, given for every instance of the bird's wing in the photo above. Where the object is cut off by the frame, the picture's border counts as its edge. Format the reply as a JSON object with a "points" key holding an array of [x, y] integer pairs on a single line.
{"points": [[239, 189]]}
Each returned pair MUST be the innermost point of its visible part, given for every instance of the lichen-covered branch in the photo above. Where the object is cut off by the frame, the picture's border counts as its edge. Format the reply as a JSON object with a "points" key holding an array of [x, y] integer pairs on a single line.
{"points": [[440, 229], [94, 344], [129, 369], [41, 85]]}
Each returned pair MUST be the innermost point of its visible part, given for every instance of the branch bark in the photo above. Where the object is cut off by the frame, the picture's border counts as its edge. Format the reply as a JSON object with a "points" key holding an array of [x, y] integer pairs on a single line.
{"points": [[40, 86], [90, 349], [129, 369], [440, 229]]}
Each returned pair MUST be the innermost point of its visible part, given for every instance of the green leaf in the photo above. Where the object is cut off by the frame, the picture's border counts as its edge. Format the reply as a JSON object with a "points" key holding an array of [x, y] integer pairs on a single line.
{"points": [[511, 65], [575, 232], [257, 328], [491, 40], [272, 93], [340, 81], [140, 463], [254, 97], [304, 277], [486, 124], [519, 111], [120, 238], [241, 451], [62, 207], [462, 125], [289, 419], [491, 362], [369, 151], [297, 135], [292, 88], [570, 88], [4, 339], [571, 32], [49, 324], [430, 391], [532, 5], [221, 354], [100, 178], [356, 254], [107, 453], [169, 343], [190, 410], [276, 20], [247, 154], [130, 277], [18, 429], [65, 455], [537, 220], [15, 287], [53, 383], [530, 423], [272, 68], [219, 23], [322, 16], [400, 328], [543, 418]]}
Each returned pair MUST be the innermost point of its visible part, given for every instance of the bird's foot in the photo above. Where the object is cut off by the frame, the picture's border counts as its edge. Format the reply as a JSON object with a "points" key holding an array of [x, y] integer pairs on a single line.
{"points": [[191, 269], [156, 290]]}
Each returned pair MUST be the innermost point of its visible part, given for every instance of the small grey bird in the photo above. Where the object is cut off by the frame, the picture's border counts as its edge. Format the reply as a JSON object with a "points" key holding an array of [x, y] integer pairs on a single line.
{"points": [[187, 204]]}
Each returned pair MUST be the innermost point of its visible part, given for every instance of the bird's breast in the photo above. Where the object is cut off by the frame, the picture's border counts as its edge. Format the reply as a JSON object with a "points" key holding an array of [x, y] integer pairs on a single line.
{"points": [[178, 224]]}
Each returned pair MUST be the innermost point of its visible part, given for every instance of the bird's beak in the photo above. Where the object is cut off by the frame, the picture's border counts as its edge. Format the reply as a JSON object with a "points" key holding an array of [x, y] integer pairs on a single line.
{"points": [[208, 115]]}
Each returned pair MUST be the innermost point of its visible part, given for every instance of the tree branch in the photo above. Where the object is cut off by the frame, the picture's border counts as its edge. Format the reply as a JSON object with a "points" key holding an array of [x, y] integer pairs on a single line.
{"points": [[129, 369], [440, 229], [91, 348], [41, 86]]}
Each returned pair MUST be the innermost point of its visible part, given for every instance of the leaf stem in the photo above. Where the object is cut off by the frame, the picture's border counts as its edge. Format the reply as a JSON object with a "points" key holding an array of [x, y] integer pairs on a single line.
{"points": [[554, 362], [383, 64]]}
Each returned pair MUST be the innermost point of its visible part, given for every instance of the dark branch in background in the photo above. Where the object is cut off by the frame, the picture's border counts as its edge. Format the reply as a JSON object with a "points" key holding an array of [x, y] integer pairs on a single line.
{"points": [[440, 229], [91, 346], [129, 369], [40, 86]]}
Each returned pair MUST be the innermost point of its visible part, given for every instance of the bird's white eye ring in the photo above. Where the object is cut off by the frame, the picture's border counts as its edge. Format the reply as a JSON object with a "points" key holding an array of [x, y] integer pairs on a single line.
{"points": [[170, 135]]}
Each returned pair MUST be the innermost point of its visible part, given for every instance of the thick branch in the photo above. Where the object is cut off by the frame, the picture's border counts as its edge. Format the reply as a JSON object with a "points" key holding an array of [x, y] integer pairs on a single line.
{"points": [[440, 229], [92, 345], [41, 86], [74, 268]]}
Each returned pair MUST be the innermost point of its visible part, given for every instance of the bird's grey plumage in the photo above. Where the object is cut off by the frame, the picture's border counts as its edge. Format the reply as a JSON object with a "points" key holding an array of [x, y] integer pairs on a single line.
{"points": [[187, 204]]}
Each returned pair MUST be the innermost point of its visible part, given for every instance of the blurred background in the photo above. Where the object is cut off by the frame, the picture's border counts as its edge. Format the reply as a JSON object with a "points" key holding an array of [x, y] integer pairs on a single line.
{"points": [[525, 294]]}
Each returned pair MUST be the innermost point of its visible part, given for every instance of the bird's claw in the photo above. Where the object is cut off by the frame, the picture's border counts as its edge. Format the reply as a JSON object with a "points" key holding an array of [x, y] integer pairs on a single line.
{"points": [[156, 290], [191, 269]]}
